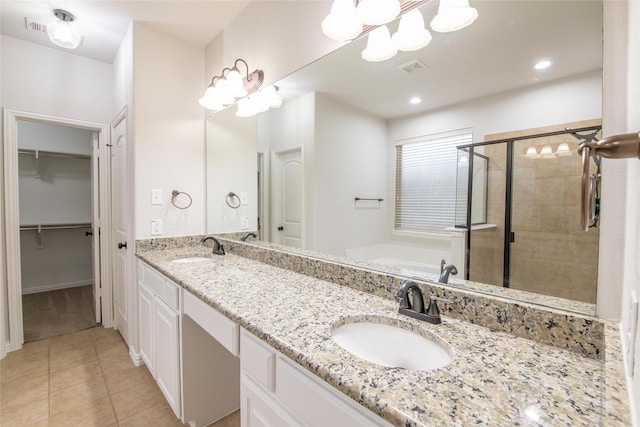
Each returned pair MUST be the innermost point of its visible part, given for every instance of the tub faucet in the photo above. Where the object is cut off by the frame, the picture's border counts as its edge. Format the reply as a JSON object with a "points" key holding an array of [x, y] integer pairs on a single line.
{"points": [[246, 236], [217, 248], [446, 270]]}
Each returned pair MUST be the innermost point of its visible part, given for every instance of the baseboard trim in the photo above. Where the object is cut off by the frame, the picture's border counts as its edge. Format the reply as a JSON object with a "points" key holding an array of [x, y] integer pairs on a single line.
{"points": [[135, 358], [55, 287]]}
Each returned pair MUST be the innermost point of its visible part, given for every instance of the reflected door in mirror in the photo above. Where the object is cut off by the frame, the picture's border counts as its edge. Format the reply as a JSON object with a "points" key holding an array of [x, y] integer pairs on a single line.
{"points": [[287, 197]]}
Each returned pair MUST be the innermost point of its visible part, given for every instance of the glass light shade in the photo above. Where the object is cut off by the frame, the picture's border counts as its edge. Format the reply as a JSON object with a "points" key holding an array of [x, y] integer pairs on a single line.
{"points": [[453, 15], [236, 84], [224, 92], [563, 149], [342, 23], [259, 102], [379, 46], [209, 100], [546, 152], [378, 12], [271, 97], [245, 108], [411, 34], [64, 34], [532, 152]]}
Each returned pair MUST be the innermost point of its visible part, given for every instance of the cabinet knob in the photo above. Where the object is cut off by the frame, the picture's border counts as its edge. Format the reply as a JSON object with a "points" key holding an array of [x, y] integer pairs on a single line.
{"points": [[88, 233], [280, 228], [122, 245]]}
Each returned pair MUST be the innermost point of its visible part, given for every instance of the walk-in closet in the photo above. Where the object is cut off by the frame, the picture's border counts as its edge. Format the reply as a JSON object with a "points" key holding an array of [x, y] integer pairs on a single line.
{"points": [[57, 258]]}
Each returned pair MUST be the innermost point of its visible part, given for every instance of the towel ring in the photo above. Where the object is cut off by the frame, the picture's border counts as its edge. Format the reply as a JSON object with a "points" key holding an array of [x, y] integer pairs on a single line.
{"points": [[233, 201], [174, 196]]}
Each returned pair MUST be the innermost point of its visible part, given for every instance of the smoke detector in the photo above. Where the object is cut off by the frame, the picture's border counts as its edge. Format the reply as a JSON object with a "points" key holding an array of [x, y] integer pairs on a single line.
{"points": [[412, 66]]}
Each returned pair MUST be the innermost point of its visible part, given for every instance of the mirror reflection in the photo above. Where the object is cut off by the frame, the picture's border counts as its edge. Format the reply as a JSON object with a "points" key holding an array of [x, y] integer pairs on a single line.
{"points": [[347, 167]]}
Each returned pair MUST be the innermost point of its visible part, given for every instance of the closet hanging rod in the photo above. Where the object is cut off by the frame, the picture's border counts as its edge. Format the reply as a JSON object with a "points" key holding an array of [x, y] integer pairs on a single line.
{"points": [[40, 227], [38, 153], [357, 199]]}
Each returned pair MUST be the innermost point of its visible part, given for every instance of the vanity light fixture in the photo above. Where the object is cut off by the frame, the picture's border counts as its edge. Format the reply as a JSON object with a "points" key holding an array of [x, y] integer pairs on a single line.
{"points": [[62, 31], [259, 102], [227, 89], [342, 23], [411, 34], [378, 12], [453, 15]]}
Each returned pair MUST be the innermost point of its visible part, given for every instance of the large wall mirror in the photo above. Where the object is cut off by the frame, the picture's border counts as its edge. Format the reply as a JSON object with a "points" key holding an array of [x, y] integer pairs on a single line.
{"points": [[331, 171]]}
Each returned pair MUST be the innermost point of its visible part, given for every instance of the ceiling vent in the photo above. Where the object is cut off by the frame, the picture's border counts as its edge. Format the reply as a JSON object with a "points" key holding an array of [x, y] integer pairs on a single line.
{"points": [[33, 25], [412, 66]]}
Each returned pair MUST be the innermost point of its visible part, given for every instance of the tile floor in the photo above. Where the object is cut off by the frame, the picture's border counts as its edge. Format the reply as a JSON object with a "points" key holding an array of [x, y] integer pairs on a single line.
{"points": [[82, 379]]}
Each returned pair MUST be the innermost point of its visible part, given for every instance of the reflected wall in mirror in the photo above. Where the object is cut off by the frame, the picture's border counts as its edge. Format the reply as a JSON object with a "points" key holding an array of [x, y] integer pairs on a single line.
{"points": [[334, 138]]}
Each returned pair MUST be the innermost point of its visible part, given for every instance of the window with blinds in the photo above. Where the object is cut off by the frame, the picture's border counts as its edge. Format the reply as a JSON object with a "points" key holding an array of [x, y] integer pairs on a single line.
{"points": [[426, 172]]}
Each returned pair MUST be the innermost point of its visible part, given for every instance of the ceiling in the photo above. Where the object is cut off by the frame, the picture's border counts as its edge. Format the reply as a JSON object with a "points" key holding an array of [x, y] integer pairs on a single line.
{"points": [[495, 54], [104, 23]]}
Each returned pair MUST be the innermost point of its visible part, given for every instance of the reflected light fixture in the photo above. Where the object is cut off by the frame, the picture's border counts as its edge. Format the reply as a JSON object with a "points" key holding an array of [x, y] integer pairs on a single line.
{"points": [[411, 34], [379, 45], [453, 15], [259, 102], [541, 65], [378, 12], [342, 23], [62, 31], [546, 152], [563, 150], [532, 152], [230, 86]]}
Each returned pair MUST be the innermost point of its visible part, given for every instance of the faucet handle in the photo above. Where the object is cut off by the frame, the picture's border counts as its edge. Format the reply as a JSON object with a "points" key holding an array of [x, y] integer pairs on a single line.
{"points": [[432, 310]]}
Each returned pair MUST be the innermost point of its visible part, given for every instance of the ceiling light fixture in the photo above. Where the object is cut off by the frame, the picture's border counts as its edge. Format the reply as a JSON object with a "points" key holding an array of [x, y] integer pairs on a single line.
{"points": [[415, 100], [541, 65], [62, 31], [453, 15], [230, 87]]}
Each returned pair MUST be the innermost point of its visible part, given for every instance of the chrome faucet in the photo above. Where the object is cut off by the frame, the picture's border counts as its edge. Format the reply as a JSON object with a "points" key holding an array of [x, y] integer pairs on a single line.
{"points": [[414, 306], [445, 270], [217, 248], [246, 236]]}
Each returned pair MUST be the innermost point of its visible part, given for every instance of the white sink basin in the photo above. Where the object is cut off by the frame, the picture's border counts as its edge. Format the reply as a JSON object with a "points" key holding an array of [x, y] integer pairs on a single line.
{"points": [[191, 259], [391, 346]]}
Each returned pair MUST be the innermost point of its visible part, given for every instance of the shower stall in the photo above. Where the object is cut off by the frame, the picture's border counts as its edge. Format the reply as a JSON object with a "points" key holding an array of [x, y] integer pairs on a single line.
{"points": [[518, 198]]}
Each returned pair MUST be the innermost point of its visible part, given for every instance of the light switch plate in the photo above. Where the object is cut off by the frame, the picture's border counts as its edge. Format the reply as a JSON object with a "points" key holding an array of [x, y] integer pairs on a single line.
{"points": [[244, 198], [244, 222], [156, 197], [156, 227]]}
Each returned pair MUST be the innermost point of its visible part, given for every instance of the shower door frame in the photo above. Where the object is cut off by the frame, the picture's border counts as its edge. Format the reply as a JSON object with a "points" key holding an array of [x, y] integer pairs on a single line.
{"points": [[508, 231]]}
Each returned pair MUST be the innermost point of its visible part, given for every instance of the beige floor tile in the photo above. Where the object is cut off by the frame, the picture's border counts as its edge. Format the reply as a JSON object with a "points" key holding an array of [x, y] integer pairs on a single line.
{"points": [[116, 359], [35, 415], [98, 413], [136, 399], [65, 378], [75, 341], [20, 370], [124, 379], [73, 357], [78, 395], [22, 394], [107, 344], [159, 415]]}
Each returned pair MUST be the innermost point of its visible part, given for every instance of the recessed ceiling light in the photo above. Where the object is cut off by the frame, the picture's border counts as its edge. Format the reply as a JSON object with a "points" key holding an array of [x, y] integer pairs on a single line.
{"points": [[542, 64], [415, 100]]}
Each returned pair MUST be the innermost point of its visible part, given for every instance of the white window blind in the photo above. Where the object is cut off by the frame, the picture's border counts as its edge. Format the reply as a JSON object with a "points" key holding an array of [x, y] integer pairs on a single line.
{"points": [[426, 171]]}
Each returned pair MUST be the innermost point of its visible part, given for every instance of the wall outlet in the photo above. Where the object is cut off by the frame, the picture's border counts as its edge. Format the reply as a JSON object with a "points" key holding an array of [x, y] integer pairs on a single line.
{"points": [[156, 227], [244, 198], [631, 334], [244, 222], [156, 197]]}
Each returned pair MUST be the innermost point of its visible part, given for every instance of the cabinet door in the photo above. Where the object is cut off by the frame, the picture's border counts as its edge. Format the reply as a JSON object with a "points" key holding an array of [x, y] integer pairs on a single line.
{"points": [[259, 409], [145, 305], [167, 353]]}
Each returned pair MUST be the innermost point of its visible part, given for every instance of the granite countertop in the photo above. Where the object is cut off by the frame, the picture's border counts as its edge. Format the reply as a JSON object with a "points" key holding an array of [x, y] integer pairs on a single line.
{"points": [[493, 379]]}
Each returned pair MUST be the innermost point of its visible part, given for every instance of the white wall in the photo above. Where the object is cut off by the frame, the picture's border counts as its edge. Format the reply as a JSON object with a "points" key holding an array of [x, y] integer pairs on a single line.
{"points": [[231, 167], [350, 161], [169, 131]]}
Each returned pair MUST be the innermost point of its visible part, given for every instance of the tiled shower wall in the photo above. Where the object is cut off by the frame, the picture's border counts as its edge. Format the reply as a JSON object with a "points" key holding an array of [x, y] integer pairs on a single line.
{"points": [[550, 254]]}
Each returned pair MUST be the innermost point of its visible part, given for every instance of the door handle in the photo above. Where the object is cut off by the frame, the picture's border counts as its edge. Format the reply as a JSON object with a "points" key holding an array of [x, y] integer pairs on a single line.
{"points": [[88, 233], [280, 228], [122, 245]]}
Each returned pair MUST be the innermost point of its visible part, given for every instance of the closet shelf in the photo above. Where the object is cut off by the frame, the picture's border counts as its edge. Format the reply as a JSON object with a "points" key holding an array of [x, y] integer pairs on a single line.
{"points": [[39, 153]]}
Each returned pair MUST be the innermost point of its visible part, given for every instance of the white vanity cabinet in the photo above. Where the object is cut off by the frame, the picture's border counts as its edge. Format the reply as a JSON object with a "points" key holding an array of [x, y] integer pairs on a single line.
{"points": [[159, 320], [275, 391]]}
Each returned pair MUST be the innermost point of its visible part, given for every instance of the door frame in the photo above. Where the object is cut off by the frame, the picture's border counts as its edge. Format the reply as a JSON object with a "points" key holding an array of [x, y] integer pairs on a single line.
{"points": [[12, 220]]}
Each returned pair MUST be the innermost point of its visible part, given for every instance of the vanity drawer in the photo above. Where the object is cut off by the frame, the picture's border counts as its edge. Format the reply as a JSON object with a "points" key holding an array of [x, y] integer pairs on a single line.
{"points": [[153, 279], [257, 360], [171, 294], [223, 329]]}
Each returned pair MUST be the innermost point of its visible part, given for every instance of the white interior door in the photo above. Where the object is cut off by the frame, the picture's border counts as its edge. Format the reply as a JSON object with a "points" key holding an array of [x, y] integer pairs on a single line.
{"points": [[286, 223], [119, 226]]}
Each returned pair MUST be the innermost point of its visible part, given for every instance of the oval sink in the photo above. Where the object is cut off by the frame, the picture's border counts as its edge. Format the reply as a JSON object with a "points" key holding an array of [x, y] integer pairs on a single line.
{"points": [[391, 346], [190, 259]]}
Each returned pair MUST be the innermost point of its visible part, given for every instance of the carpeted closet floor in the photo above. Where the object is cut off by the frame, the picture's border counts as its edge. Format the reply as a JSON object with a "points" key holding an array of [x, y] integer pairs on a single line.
{"points": [[53, 313]]}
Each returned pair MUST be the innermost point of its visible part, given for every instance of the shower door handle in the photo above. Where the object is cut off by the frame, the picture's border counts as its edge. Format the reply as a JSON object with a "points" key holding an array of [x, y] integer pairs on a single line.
{"points": [[512, 237]]}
